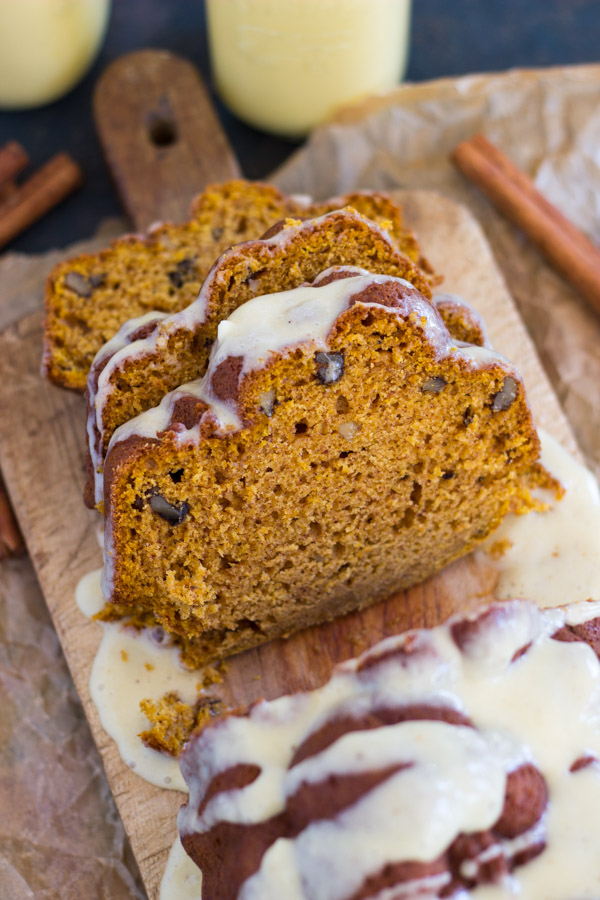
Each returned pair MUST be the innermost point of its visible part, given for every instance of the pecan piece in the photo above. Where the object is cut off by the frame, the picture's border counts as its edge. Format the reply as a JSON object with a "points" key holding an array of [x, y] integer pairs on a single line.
{"points": [[506, 396], [183, 271], [330, 367], [433, 385], [172, 513], [78, 283]]}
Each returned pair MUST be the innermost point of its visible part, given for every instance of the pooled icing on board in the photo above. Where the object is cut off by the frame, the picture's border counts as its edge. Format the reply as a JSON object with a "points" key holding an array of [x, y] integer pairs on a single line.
{"points": [[552, 556]]}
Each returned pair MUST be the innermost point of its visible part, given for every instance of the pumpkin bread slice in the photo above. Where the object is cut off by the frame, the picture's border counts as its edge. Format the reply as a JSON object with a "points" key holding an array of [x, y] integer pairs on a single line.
{"points": [[341, 446]]}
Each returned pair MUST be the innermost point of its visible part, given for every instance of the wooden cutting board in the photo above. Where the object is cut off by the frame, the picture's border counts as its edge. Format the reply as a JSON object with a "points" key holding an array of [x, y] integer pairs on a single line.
{"points": [[42, 436]]}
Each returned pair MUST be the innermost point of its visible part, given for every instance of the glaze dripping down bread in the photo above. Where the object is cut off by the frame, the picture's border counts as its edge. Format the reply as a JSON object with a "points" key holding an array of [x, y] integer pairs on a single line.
{"points": [[153, 355], [341, 446], [437, 764], [88, 298]]}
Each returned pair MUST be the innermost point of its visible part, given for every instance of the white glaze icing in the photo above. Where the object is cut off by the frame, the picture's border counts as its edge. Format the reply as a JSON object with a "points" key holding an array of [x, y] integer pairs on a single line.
{"points": [[182, 879], [88, 593], [122, 338], [115, 351], [543, 707], [131, 666], [554, 554]]}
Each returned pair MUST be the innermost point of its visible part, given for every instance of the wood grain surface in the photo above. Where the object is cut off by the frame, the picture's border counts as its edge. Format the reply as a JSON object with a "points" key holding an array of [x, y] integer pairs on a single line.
{"points": [[160, 135], [41, 454]]}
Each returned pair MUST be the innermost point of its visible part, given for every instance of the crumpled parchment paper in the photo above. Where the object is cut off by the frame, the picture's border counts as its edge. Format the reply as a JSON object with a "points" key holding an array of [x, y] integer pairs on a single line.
{"points": [[60, 836]]}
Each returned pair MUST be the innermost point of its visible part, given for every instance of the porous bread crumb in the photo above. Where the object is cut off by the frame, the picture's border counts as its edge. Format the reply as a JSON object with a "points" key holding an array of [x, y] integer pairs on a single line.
{"points": [[172, 720], [213, 674], [499, 548]]}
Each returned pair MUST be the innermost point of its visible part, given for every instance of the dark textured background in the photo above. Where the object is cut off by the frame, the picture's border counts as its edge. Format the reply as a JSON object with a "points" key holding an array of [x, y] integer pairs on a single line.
{"points": [[449, 37]]}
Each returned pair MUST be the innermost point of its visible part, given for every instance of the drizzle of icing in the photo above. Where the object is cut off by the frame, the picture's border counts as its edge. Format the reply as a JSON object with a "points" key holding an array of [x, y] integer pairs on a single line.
{"points": [[182, 879], [129, 667], [540, 706], [554, 554], [114, 352], [122, 339], [88, 593]]}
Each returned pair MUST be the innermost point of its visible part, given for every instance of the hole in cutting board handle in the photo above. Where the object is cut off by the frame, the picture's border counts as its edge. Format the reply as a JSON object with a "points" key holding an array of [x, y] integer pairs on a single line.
{"points": [[162, 130]]}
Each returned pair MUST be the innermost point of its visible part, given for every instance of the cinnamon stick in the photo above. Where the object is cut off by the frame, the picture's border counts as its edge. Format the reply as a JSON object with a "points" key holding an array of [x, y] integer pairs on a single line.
{"points": [[7, 191], [11, 541], [47, 187], [566, 248], [13, 160]]}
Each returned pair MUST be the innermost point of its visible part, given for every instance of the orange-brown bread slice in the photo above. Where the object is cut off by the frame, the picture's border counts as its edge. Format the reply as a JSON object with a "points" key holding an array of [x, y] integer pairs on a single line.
{"points": [[151, 356], [89, 297], [340, 447]]}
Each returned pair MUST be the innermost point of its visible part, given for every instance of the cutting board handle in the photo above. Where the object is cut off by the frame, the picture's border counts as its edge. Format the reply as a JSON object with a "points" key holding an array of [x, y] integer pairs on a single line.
{"points": [[160, 134]]}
